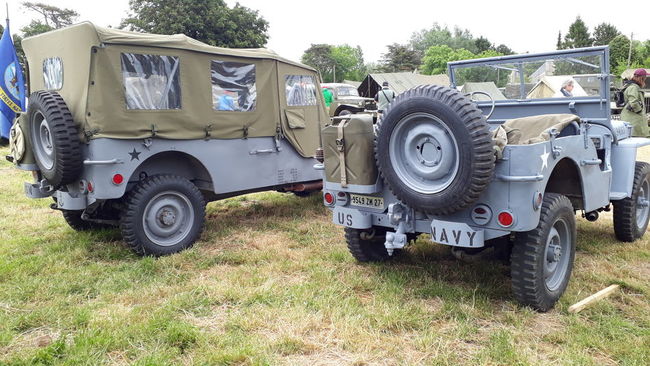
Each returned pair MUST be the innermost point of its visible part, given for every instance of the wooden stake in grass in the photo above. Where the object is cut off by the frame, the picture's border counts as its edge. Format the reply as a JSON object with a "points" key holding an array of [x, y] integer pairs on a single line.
{"points": [[577, 307]]}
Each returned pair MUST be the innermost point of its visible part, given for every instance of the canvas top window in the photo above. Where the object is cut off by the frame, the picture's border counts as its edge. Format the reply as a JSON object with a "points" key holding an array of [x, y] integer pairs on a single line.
{"points": [[53, 73], [537, 78], [151, 82], [300, 90], [233, 86]]}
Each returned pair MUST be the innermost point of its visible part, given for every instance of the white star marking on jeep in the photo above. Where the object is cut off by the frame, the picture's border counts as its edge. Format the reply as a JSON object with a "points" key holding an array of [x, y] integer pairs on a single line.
{"points": [[544, 158]]}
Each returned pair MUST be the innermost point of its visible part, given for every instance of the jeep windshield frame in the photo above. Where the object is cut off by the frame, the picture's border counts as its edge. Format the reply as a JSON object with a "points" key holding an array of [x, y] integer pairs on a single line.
{"points": [[532, 82]]}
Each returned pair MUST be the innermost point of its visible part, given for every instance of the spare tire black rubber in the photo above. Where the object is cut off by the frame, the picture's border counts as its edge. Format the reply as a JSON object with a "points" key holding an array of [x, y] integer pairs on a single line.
{"points": [[434, 150], [54, 138]]}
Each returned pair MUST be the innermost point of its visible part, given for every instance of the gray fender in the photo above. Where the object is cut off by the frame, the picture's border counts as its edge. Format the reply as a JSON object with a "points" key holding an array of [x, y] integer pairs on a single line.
{"points": [[623, 162]]}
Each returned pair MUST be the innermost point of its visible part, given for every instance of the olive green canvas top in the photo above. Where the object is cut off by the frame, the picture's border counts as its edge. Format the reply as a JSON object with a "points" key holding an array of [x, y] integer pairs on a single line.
{"points": [[122, 84]]}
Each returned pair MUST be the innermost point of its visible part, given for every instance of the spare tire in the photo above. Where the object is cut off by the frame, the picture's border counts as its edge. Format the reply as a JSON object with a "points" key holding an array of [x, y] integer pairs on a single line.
{"points": [[54, 138], [434, 150]]}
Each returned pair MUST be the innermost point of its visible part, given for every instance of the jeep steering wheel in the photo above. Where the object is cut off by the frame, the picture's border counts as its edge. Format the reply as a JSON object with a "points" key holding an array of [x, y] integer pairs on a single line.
{"points": [[471, 96]]}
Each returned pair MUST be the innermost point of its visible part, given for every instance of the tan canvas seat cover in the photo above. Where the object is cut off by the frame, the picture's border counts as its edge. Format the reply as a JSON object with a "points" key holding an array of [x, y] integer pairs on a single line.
{"points": [[530, 130]]}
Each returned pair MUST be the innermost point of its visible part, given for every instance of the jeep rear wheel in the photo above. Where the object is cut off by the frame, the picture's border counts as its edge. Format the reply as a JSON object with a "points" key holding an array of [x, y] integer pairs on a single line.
{"points": [[434, 150], [542, 259], [631, 214], [54, 138], [163, 214]]}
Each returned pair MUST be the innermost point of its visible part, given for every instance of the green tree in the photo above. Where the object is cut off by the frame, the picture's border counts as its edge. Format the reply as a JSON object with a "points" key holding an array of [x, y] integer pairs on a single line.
{"points": [[438, 35], [578, 35], [482, 44], [209, 21], [619, 49], [53, 16], [435, 59], [319, 56], [559, 45], [504, 50], [604, 33], [349, 63], [34, 28], [400, 58]]}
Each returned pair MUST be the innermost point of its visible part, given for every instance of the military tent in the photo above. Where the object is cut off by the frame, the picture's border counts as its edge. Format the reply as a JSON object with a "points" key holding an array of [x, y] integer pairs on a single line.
{"points": [[398, 82], [549, 87], [484, 87]]}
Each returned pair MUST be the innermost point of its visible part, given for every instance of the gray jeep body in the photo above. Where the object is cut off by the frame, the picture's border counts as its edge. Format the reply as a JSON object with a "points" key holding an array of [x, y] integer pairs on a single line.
{"points": [[112, 110], [592, 163]]}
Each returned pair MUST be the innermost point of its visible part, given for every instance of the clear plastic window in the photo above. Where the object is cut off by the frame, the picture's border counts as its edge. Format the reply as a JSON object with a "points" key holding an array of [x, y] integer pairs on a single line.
{"points": [[233, 86], [151, 81], [53, 73], [301, 90], [558, 76]]}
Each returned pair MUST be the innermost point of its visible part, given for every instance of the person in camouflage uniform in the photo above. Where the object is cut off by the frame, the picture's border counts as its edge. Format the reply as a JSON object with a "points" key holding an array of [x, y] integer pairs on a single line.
{"points": [[634, 110]]}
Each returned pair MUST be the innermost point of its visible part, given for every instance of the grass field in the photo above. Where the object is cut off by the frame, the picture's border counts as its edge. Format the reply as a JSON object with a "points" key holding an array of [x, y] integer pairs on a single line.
{"points": [[271, 282]]}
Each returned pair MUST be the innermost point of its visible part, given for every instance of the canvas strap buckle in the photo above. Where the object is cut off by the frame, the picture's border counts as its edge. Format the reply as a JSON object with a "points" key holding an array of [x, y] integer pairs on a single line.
{"points": [[340, 146]]}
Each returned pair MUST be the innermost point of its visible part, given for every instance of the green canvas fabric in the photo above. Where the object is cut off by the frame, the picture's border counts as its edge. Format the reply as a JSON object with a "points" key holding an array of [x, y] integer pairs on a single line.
{"points": [[359, 151], [529, 130], [93, 87]]}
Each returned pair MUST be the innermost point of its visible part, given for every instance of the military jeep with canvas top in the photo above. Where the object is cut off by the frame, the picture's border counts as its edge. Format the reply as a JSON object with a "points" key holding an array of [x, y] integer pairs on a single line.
{"points": [[490, 173], [141, 130]]}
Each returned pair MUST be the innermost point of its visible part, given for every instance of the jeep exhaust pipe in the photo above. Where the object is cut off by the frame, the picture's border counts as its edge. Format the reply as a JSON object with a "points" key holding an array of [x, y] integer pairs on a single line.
{"points": [[591, 216]]}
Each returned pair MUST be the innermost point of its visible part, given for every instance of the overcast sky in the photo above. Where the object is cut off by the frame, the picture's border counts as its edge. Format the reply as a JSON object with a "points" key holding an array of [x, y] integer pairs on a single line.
{"points": [[524, 26]]}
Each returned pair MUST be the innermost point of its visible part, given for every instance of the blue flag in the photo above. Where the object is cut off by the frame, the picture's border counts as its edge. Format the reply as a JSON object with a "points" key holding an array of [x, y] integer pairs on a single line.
{"points": [[12, 83]]}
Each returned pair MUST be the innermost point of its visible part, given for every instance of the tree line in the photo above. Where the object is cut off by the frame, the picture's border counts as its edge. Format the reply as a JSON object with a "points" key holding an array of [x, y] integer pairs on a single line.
{"points": [[427, 51], [624, 53]]}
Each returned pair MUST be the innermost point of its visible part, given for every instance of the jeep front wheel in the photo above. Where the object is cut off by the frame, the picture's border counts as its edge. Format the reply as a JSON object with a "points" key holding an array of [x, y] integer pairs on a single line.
{"points": [[631, 214], [163, 214], [542, 259]]}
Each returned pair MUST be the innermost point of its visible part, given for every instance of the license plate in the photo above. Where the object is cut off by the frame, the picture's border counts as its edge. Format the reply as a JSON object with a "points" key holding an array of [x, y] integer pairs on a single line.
{"points": [[457, 234], [367, 201]]}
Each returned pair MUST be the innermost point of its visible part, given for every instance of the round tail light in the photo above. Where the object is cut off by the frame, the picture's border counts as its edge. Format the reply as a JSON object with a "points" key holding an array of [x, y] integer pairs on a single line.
{"points": [[329, 198], [118, 179], [505, 219]]}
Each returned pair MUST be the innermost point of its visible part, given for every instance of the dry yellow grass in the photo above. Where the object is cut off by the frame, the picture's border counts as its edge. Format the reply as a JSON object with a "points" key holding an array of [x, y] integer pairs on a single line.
{"points": [[271, 282]]}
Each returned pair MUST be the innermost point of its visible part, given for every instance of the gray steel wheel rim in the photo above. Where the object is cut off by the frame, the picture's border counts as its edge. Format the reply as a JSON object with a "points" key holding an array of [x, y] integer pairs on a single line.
{"points": [[42, 140], [168, 218], [643, 204], [556, 254], [424, 153]]}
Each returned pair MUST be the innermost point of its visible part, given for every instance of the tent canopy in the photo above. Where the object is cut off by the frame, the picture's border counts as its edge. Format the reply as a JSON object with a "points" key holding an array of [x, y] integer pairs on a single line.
{"points": [[399, 82], [549, 87], [485, 87]]}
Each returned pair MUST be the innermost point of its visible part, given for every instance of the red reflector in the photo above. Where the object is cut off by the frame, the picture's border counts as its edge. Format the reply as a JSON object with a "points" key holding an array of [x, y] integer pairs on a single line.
{"points": [[329, 199], [90, 187], [118, 179], [505, 219]]}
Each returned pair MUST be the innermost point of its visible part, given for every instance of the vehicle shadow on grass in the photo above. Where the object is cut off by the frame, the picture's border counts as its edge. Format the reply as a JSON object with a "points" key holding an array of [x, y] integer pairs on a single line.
{"points": [[431, 271], [270, 212]]}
